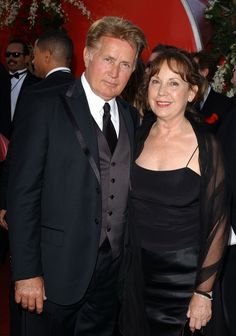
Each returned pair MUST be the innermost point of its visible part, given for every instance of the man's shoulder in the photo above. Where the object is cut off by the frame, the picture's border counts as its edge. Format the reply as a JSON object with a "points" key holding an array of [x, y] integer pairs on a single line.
{"points": [[31, 78], [46, 88], [219, 98]]}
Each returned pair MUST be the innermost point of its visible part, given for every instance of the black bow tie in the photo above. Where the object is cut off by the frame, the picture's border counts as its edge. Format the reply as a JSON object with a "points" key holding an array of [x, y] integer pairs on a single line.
{"points": [[17, 74]]}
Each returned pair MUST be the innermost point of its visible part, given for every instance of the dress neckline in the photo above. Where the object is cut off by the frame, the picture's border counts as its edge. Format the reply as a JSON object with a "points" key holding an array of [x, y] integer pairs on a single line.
{"points": [[167, 171]]}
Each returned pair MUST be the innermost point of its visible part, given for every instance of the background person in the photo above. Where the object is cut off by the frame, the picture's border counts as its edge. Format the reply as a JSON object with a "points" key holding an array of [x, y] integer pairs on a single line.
{"points": [[214, 106]]}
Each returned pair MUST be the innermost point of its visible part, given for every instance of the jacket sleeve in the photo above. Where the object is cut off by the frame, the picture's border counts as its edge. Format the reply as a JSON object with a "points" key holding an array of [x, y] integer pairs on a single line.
{"points": [[28, 152]]}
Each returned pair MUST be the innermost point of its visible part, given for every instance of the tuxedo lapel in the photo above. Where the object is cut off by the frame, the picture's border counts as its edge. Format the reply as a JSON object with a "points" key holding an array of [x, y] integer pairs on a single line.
{"points": [[77, 106]]}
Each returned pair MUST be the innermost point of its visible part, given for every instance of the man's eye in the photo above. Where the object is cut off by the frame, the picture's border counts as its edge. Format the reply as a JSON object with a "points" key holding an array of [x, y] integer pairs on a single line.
{"points": [[107, 59], [125, 65]]}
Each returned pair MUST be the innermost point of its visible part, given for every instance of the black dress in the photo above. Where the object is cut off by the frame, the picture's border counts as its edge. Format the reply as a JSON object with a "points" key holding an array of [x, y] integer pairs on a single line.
{"points": [[165, 211]]}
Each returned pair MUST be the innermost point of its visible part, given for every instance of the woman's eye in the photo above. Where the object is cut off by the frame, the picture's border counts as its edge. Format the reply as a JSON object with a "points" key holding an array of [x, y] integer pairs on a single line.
{"points": [[173, 84], [155, 81]]}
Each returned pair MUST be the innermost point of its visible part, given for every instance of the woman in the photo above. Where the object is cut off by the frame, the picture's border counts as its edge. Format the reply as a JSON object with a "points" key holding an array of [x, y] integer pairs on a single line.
{"points": [[178, 200]]}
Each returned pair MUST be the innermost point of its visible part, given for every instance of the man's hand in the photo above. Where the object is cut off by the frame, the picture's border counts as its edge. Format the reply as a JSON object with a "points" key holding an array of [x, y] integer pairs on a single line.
{"points": [[30, 294], [199, 312], [3, 222]]}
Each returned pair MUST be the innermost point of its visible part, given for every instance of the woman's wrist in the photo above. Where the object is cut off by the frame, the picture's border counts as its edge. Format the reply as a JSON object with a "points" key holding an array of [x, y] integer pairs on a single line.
{"points": [[206, 295]]}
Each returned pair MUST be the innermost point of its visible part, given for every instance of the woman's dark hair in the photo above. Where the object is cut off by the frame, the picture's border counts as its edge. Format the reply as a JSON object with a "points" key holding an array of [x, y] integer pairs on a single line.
{"points": [[130, 91]]}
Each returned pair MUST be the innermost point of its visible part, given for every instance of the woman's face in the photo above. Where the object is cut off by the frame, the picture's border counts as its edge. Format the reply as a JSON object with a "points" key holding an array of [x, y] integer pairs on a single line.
{"points": [[233, 79], [168, 93]]}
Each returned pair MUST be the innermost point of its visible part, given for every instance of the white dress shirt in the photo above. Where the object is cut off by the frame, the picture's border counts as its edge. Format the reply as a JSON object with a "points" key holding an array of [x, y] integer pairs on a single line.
{"points": [[16, 84], [232, 239], [96, 104], [64, 69]]}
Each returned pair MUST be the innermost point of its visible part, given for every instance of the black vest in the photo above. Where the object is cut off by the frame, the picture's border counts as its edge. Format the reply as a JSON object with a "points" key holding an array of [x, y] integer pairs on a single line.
{"points": [[115, 176]]}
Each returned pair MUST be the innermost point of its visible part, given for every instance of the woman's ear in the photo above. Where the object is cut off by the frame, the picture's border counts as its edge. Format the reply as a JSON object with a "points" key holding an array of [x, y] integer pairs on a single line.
{"points": [[192, 93]]}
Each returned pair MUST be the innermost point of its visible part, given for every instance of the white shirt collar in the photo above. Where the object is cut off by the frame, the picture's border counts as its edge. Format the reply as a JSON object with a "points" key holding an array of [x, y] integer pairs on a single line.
{"points": [[96, 104], [64, 69], [19, 71]]}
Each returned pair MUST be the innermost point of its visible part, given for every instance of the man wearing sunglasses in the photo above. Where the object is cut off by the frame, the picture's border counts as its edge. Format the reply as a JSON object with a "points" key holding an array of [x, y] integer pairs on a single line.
{"points": [[17, 59]]}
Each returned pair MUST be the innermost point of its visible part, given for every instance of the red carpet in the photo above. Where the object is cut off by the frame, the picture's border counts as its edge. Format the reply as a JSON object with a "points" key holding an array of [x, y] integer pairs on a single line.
{"points": [[4, 298]]}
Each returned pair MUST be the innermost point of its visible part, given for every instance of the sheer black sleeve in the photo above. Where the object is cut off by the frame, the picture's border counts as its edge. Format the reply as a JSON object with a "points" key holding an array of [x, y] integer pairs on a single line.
{"points": [[214, 211]]}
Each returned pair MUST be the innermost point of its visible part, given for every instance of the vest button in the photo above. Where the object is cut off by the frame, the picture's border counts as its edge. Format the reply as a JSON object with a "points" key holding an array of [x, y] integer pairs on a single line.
{"points": [[109, 213], [96, 221], [113, 164], [113, 180], [112, 196], [108, 229]]}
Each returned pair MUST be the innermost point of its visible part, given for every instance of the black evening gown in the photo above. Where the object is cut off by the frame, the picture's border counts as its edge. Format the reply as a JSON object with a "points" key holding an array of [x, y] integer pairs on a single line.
{"points": [[165, 211]]}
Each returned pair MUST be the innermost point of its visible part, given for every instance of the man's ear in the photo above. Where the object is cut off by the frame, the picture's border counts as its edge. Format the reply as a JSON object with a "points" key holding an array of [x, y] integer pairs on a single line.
{"points": [[87, 56], [204, 72], [47, 56]]}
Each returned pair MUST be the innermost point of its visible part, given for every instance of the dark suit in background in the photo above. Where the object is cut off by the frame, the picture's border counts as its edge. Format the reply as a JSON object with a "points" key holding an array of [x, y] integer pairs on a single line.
{"points": [[227, 136], [214, 109], [5, 102]]}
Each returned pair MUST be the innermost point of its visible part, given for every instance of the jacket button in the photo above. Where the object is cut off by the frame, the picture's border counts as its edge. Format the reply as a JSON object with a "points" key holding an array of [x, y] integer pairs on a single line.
{"points": [[109, 213], [98, 190], [108, 229], [96, 221]]}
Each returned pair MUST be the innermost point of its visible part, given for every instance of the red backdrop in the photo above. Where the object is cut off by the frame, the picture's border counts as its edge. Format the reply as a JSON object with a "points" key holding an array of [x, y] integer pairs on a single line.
{"points": [[162, 21]]}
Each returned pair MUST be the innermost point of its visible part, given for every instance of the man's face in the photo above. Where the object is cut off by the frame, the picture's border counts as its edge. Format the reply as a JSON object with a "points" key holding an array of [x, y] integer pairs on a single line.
{"points": [[109, 66], [15, 58]]}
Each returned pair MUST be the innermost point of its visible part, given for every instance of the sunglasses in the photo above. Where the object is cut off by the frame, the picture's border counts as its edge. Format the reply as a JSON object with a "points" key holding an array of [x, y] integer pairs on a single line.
{"points": [[14, 54]]}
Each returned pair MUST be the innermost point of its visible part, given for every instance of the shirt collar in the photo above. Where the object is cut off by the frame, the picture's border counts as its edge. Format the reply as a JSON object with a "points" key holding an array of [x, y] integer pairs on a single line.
{"points": [[96, 103], [24, 71], [64, 69]]}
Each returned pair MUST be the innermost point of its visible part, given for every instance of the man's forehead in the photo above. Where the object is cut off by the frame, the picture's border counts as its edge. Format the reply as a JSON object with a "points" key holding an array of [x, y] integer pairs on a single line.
{"points": [[15, 46]]}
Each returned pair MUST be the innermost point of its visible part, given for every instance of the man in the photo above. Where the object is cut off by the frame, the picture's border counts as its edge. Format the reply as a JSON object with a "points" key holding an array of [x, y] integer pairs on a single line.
{"points": [[68, 189], [52, 56], [159, 48], [5, 101], [214, 106], [19, 78], [17, 60], [53, 52]]}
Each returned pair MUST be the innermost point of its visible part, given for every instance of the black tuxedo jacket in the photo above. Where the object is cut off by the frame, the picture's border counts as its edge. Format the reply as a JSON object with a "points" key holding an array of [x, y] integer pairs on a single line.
{"points": [[216, 104], [5, 99], [56, 79], [54, 196], [5, 102]]}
